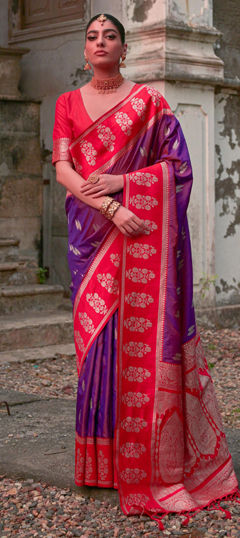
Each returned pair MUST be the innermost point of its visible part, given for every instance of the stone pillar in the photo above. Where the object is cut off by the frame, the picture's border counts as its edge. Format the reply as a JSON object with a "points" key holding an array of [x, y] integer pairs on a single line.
{"points": [[20, 159], [171, 48]]}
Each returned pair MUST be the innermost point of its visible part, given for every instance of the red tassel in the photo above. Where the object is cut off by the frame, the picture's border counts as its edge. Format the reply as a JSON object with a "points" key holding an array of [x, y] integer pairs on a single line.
{"points": [[186, 521], [156, 518]]}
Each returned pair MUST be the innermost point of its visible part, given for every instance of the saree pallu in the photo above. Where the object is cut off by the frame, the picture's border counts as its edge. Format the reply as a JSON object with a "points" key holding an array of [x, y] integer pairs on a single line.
{"points": [[151, 428]]}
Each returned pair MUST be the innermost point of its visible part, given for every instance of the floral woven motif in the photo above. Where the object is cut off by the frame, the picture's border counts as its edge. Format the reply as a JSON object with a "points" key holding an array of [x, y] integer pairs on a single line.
{"points": [[137, 499], [97, 303], [150, 225], [155, 95], [137, 324], [132, 450], [133, 476], [107, 137], [135, 399], [145, 179], [109, 282], [133, 424], [103, 466], [89, 152], [86, 322], [139, 299], [143, 202], [136, 349], [115, 259], [123, 120], [139, 250], [136, 274], [139, 106], [79, 341], [136, 374]]}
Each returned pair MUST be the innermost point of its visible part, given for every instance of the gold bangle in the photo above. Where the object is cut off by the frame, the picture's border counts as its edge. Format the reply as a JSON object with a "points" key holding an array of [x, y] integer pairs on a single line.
{"points": [[105, 205], [93, 179], [112, 209]]}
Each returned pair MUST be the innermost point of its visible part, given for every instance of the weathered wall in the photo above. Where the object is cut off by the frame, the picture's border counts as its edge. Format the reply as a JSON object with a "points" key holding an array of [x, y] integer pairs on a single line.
{"points": [[55, 65], [20, 174], [3, 23], [182, 51], [227, 189], [226, 17]]}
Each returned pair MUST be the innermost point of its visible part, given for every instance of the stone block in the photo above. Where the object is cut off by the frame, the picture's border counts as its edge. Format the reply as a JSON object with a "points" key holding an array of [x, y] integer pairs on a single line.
{"points": [[7, 270], [14, 299], [26, 229], [52, 328], [21, 195], [8, 249], [20, 153], [19, 117]]}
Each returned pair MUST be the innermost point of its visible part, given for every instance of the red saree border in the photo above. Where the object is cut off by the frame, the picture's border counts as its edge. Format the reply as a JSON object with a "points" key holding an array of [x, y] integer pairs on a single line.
{"points": [[105, 116], [157, 194], [94, 462], [98, 292], [88, 148]]}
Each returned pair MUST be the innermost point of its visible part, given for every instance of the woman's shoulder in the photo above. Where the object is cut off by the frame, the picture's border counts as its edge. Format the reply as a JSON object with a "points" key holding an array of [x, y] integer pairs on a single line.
{"points": [[69, 96]]}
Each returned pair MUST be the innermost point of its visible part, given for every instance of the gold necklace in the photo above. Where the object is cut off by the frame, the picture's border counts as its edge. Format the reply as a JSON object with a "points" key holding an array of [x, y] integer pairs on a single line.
{"points": [[108, 85]]}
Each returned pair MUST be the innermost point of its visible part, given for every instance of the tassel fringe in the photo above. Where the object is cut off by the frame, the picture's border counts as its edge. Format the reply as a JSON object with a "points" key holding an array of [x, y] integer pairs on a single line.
{"points": [[213, 505]]}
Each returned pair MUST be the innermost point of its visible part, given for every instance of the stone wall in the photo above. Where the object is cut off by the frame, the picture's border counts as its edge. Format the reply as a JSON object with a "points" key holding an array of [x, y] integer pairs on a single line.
{"points": [[20, 174], [170, 46], [226, 17]]}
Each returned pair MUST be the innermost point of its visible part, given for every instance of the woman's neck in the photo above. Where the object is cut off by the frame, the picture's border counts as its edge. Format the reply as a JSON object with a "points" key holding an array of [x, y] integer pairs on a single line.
{"points": [[101, 74]]}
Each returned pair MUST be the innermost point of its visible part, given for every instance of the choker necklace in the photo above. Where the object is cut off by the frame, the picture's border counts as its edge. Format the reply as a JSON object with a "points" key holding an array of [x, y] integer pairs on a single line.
{"points": [[109, 85]]}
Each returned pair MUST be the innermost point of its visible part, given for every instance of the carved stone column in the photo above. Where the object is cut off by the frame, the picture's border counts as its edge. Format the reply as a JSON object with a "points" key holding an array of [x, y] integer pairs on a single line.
{"points": [[10, 70], [171, 47]]}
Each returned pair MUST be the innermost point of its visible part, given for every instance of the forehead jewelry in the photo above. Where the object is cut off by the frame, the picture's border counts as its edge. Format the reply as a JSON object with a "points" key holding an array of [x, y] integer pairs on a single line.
{"points": [[102, 18]]}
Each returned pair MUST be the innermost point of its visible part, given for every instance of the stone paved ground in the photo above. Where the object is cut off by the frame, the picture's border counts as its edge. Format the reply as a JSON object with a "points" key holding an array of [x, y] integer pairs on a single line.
{"points": [[36, 508]]}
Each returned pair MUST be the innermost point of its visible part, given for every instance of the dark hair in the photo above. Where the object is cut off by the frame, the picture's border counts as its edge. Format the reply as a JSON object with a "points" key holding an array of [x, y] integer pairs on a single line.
{"points": [[115, 21]]}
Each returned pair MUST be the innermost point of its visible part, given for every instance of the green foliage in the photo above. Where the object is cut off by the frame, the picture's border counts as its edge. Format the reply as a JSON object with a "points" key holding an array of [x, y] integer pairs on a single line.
{"points": [[42, 275], [205, 282]]}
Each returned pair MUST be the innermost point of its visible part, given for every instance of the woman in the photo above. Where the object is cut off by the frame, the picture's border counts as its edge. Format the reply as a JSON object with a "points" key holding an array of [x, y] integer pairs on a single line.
{"points": [[147, 422]]}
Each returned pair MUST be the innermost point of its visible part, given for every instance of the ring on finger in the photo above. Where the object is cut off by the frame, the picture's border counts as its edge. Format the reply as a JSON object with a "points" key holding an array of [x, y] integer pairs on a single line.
{"points": [[93, 179]]}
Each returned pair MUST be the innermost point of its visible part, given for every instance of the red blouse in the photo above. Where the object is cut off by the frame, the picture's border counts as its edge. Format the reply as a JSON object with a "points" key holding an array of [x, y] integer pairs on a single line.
{"points": [[71, 120]]}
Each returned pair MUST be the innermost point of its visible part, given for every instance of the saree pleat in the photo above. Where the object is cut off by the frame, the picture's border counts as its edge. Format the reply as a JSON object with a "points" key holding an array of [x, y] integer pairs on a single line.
{"points": [[96, 410]]}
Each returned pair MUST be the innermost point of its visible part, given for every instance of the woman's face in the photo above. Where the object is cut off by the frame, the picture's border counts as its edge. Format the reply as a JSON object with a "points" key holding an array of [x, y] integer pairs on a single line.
{"points": [[103, 46]]}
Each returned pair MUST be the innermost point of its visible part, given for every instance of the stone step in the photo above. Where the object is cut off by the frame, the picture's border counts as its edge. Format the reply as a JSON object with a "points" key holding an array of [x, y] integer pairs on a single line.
{"points": [[35, 329], [7, 270], [38, 353], [14, 299], [8, 248]]}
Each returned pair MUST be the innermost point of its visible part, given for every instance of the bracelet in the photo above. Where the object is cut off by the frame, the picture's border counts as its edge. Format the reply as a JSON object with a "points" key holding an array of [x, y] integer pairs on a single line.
{"points": [[112, 209], [105, 205]]}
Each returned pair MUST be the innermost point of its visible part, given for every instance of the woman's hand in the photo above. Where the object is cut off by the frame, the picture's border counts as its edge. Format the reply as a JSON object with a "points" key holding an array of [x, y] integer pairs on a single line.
{"points": [[128, 223], [106, 184]]}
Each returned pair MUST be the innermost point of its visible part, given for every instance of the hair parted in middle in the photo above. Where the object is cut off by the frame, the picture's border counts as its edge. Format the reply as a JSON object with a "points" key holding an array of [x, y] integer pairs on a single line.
{"points": [[114, 21]]}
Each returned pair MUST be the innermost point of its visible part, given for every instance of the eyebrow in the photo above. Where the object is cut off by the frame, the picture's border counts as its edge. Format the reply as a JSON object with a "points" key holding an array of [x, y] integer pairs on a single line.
{"points": [[105, 30]]}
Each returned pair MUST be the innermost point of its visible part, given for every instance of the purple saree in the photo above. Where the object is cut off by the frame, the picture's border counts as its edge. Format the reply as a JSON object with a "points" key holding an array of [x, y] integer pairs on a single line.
{"points": [[175, 423]]}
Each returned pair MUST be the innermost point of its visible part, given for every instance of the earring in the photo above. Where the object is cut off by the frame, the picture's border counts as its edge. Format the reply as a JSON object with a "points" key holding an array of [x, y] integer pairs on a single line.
{"points": [[87, 66], [122, 64]]}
